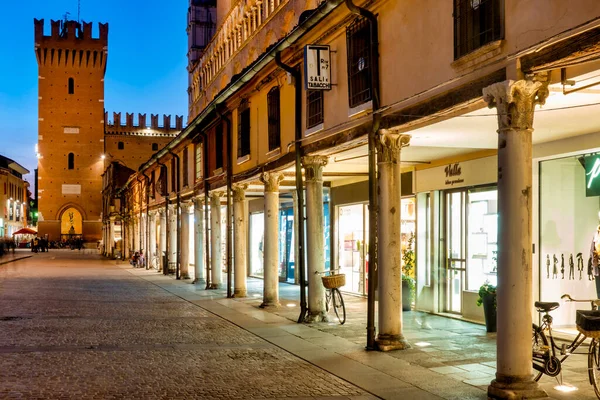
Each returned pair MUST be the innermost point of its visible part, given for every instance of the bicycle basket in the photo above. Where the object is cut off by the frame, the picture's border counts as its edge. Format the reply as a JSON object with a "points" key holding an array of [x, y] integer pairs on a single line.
{"points": [[334, 281], [588, 322]]}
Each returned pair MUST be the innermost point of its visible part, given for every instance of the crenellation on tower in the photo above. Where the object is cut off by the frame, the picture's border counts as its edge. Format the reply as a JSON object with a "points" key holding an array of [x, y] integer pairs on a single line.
{"points": [[116, 125], [69, 31]]}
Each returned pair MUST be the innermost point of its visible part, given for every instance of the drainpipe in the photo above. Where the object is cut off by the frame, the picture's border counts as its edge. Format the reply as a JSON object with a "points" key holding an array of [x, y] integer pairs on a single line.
{"points": [[295, 72], [137, 178], [166, 196], [147, 244], [178, 219], [206, 199], [228, 250], [372, 145]]}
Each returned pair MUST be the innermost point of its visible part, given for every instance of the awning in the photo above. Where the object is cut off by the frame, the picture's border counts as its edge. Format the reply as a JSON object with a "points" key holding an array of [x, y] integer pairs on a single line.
{"points": [[25, 231]]}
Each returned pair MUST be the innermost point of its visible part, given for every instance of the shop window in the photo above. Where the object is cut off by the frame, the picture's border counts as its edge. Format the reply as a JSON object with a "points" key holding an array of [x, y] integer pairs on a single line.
{"points": [[71, 86], [121, 146], [482, 237], [154, 146], [219, 146], [257, 230], [184, 163], [476, 23], [358, 42], [71, 161], [314, 106], [243, 130], [198, 161], [273, 107]]}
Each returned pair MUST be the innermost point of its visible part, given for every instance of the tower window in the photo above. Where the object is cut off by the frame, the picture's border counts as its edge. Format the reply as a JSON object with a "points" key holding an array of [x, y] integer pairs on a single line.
{"points": [[71, 161], [154, 146], [358, 41], [243, 130], [71, 86], [121, 146]]}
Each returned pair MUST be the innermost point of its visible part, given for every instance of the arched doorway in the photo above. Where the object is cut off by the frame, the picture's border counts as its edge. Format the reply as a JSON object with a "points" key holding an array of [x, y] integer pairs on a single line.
{"points": [[71, 224]]}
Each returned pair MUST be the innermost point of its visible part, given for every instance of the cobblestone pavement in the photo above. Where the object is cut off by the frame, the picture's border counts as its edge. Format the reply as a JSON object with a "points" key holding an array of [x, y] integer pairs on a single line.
{"points": [[74, 326]]}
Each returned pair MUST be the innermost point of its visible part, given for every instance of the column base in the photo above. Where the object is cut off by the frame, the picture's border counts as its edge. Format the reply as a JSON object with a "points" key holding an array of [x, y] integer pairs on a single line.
{"points": [[391, 342], [199, 281], [270, 304], [515, 387], [240, 293], [320, 316], [215, 286], [185, 276]]}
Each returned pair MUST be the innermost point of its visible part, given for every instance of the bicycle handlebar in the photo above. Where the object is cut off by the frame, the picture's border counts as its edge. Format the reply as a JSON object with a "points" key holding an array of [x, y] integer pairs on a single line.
{"points": [[327, 272], [594, 302]]}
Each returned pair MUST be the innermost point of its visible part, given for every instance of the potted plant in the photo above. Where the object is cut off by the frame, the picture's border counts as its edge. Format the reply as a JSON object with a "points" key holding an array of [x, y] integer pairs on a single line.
{"points": [[487, 297], [408, 280]]}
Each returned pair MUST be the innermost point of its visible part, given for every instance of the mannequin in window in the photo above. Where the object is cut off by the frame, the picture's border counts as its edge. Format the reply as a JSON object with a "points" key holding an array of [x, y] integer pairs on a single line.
{"points": [[595, 256]]}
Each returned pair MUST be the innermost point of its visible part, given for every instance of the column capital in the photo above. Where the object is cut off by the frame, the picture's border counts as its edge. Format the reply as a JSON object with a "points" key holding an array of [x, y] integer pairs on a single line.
{"points": [[215, 196], [271, 181], [161, 212], [516, 100], [187, 206], [239, 192], [390, 144], [313, 167]]}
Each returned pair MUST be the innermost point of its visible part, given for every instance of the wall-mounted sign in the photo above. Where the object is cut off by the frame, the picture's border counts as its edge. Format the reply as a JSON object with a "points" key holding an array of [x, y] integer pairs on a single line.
{"points": [[317, 71], [71, 189], [458, 174], [592, 175]]}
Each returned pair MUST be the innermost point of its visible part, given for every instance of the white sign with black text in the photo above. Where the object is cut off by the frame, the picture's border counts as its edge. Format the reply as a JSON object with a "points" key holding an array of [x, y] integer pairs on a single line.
{"points": [[317, 71]]}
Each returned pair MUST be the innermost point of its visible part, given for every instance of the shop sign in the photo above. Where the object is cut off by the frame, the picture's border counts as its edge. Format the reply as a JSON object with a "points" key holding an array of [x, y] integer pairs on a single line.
{"points": [[317, 71], [592, 175], [458, 174]]}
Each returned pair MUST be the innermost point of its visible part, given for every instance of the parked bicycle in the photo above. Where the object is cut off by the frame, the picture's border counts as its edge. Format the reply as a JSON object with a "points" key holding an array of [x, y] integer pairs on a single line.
{"points": [[332, 282], [546, 351]]}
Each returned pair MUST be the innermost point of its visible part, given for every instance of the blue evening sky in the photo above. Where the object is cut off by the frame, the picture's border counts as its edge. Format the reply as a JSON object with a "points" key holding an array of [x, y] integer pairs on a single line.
{"points": [[146, 73]]}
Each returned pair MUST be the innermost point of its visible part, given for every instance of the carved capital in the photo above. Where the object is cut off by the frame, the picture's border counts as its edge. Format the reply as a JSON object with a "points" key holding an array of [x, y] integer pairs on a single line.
{"points": [[187, 207], [516, 100], [313, 167], [215, 198], [239, 192], [390, 144], [271, 181]]}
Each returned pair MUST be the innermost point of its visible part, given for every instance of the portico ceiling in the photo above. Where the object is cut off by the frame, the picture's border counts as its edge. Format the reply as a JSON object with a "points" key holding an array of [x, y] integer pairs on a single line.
{"points": [[563, 116]]}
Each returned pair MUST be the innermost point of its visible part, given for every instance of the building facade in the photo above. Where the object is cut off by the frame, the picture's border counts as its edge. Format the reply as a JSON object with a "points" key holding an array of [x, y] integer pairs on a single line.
{"points": [[424, 140], [13, 195]]}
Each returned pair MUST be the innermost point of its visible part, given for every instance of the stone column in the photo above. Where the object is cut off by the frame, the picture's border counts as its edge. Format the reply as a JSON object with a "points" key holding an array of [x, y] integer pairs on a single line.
{"points": [[162, 238], [315, 243], [111, 238], [390, 335], [173, 215], [185, 240], [515, 102], [215, 240], [152, 250], [240, 240], [271, 241], [135, 234], [199, 242]]}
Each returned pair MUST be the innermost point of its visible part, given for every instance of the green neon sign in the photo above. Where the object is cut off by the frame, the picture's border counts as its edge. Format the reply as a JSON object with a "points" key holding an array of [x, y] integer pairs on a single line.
{"points": [[592, 175]]}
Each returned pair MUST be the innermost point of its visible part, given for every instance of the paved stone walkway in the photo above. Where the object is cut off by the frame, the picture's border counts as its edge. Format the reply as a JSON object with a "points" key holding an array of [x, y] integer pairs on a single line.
{"points": [[75, 326]]}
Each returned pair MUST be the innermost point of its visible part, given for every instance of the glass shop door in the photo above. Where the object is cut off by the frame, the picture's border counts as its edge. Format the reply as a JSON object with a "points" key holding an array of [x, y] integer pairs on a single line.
{"points": [[455, 250]]}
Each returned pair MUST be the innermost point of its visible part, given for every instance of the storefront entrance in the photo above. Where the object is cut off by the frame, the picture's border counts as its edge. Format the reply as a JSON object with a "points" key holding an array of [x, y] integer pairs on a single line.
{"points": [[471, 229]]}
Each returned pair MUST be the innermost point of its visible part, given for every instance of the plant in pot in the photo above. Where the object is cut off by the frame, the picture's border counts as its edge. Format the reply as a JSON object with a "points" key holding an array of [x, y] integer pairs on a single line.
{"points": [[487, 297], [408, 274]]}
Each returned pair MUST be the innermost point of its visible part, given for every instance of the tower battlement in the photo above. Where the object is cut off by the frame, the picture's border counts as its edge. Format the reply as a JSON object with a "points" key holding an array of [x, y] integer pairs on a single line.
{"points": [[116, 125], [69, 32]]}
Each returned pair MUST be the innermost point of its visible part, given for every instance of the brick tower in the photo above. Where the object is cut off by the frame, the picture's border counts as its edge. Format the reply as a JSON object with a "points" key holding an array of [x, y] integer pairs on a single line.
{"points": [[71, 65]]}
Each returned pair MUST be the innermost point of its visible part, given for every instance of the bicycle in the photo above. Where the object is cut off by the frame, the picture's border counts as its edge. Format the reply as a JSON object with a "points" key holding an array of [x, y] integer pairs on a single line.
{"points": [[332, 283], [545, 359]]}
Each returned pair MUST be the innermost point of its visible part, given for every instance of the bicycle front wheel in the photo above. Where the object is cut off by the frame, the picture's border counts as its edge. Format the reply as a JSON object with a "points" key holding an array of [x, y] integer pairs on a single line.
{"points": [[594, 365], [338, 306]]}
